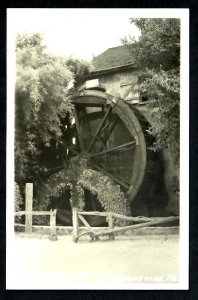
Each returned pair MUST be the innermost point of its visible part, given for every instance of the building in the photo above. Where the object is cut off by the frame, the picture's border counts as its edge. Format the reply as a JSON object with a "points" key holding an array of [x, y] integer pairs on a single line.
{"points": [[115, 72]]}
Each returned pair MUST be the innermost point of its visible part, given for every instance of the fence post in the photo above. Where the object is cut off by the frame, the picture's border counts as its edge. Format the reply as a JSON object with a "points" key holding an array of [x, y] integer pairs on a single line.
{"points": [[53, 235], [75, 223], [28, 207], [110, 225]]}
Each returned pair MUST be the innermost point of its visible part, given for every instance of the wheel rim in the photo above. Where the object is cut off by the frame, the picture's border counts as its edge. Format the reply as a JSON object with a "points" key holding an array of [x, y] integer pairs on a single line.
{"points": [[110, 137]]}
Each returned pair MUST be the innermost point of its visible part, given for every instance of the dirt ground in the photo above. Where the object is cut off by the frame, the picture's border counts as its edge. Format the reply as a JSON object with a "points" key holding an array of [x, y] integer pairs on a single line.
{"points": [[39, 263]]}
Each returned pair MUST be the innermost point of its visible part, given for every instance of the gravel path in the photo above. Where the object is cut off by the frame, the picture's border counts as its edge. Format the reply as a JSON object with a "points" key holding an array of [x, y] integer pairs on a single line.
{"points": [[42, 263]]}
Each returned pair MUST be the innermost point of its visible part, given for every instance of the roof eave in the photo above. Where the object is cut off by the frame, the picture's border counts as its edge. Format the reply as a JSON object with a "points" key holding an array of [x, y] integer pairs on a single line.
{"points": [[110, 70]]}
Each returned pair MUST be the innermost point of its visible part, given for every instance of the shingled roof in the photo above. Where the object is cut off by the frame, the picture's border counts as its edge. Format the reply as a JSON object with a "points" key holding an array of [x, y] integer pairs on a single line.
{"points": [[113, 58]]}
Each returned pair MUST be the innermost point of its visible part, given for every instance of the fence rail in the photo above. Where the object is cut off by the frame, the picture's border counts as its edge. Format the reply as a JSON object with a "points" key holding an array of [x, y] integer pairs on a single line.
{"points": [[35, 213], [29, 213], [142, 222], [51, 213], [116, 216]]}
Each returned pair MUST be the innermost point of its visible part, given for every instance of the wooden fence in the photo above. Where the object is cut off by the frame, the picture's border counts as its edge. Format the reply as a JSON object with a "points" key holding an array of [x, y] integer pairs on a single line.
{"points": [[29, 213], [141, 222], [138, 222]]}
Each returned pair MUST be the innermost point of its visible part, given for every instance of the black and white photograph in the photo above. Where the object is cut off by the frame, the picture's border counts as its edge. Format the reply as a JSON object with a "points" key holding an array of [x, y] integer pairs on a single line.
{"points": [[97, 149]]}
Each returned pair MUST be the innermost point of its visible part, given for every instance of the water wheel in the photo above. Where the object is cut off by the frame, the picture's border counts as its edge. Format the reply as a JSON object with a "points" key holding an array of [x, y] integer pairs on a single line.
{"points": [[112, 135]]}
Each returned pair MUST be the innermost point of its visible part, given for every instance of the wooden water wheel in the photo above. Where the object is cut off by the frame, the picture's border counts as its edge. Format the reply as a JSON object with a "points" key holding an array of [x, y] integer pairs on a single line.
{"points": [[112, 136]]}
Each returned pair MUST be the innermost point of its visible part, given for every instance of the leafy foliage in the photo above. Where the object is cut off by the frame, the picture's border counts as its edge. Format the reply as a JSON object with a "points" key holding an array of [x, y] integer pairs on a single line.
{"points": [[18, 198], [40, 103], [57, 185], [79, 68], [164, 88], [157, 54], [76, 177], [109, 195]]}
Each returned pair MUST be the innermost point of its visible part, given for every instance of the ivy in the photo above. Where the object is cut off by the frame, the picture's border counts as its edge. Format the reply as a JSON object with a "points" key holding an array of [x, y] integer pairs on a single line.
{"points": [[109, 195], [76, 177]]}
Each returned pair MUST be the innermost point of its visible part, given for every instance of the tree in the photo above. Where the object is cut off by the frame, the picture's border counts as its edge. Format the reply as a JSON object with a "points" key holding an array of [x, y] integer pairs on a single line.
{"points": [[79, 68], [157, 54], [40, 103]]}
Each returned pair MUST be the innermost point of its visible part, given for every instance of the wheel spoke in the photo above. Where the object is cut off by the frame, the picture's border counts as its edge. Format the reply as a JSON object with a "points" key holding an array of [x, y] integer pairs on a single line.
{"points": [[120, 181], [110, 127], [98, 129], [123, 147], [107, 125]]}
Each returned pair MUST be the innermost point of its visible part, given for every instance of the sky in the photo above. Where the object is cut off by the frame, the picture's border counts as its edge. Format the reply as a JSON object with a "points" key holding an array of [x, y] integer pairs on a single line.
{"points": [[83, 33]]}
